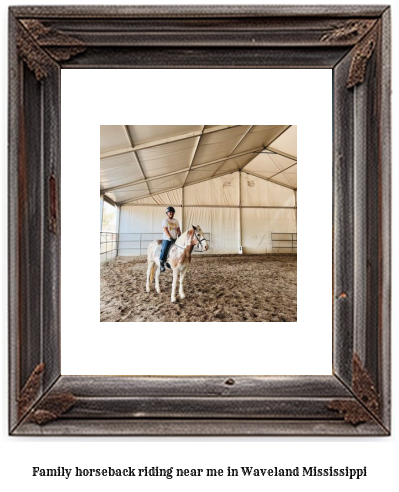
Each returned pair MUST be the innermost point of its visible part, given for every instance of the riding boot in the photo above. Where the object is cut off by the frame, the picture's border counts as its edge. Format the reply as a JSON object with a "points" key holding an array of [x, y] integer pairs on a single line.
{"points": [[162, 266]]}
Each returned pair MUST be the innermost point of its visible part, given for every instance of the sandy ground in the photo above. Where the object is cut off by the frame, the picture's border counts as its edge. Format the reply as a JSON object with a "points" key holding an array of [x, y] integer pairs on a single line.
{"points": [[218, 288]]}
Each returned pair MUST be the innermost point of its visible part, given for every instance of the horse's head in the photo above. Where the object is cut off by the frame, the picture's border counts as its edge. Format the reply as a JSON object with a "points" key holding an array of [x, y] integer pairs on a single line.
{"points": [[199, 239]]}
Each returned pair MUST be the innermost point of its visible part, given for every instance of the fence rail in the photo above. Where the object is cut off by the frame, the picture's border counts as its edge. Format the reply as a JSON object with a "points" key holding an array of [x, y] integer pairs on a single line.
{"points": [[284, 240], [108, 245], [112, 244]]}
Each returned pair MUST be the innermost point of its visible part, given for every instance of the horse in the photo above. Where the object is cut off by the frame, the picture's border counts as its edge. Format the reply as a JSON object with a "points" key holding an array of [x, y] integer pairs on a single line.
{"points": [[179, 258]]}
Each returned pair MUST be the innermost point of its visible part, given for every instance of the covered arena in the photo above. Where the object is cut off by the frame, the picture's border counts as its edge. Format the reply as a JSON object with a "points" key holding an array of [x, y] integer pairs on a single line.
{"points": [[238, 182]]}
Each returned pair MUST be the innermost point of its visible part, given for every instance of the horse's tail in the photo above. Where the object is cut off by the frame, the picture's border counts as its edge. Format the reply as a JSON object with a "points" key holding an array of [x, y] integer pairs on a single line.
{"points": [[152, 273], [151, 258]]}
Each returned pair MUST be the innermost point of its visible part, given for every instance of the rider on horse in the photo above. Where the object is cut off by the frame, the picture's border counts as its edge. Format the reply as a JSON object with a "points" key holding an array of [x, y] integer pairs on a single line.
{"points": [[171, 231]]}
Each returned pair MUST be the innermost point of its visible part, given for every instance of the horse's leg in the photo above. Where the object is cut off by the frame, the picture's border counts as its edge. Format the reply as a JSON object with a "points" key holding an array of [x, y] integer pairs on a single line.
{"points": [[173, 297], [181, 287], [157, 274], [149, 270]]}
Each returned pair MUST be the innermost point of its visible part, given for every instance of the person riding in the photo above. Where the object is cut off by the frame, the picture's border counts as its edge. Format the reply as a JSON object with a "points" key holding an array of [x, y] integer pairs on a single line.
{"points": [[171, 231]]}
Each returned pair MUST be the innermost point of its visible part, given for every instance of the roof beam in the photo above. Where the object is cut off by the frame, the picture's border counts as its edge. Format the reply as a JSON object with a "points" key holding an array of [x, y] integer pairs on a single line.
{"points": [[141, 181], [284, 154], [175, 138], [268, 179], [148, 196], [176, 188], [108, 200], [279, 135], [216, 206], [184, 170], [233, 156], [130, 200], [283, 171], [193, 157], [237, 144], [135, 155], [282, 131]]}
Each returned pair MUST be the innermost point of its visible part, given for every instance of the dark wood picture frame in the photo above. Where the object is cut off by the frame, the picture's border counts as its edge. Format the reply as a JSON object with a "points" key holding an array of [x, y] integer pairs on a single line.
{"points": [[352, 41]]}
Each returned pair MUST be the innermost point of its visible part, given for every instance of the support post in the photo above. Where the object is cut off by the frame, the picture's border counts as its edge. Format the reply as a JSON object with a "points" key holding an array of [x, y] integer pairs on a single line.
{"points": [[182, 209], [118, 220], [240, 248], [101, 219], [101, 211]]}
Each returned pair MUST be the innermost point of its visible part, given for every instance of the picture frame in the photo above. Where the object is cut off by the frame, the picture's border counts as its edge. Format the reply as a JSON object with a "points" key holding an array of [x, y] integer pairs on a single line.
{"points": [[352, 41]]}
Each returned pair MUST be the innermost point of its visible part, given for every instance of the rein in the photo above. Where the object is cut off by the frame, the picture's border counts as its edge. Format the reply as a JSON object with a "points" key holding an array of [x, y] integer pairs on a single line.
{"points": [[178, 245], [196, 237]]}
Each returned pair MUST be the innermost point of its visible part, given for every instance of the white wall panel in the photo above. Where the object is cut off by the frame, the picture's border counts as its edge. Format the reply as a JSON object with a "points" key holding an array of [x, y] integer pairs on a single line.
{"points": [[258, 192], [291, 175], [267, 162], [221, 223], [218, 191], [213, 205], [138, 226], [168, 198], [258, 225]]}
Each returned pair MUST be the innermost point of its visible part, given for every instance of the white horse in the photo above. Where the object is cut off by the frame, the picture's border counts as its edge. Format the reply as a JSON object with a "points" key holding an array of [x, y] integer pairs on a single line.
{"points": [[179, 258]]}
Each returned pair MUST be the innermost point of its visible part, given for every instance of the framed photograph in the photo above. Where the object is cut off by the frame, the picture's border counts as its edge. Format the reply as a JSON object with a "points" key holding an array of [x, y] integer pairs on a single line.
{"points": [[236, 183], [353, 43]]}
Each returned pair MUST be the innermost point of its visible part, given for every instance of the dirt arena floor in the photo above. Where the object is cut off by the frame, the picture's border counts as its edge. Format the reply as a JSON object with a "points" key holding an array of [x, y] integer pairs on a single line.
{"points": [[218, 288]]}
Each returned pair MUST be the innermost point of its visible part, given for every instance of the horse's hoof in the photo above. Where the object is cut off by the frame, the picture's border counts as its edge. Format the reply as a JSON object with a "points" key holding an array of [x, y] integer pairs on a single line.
{"points": [[158, 291], [173, 299], [182, 296]]}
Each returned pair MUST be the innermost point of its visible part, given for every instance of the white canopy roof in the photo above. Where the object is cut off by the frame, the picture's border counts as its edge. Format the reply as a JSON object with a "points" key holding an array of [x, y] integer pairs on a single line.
{"points": [[141, 161]]}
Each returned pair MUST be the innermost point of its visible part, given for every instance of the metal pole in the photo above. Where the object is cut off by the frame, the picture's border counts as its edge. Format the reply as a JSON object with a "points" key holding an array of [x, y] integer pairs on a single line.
{"points": [[240, 249], [101, 211], [118, 220], [182, 209]]}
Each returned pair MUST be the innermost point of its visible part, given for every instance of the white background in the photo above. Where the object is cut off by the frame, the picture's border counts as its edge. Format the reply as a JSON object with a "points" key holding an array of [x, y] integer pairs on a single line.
{"points": [[20, 454], [94, 97]]}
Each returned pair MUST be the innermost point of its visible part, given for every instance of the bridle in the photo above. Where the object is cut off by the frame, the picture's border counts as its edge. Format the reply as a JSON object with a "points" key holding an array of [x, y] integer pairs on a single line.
{"points": [[197, 237]]}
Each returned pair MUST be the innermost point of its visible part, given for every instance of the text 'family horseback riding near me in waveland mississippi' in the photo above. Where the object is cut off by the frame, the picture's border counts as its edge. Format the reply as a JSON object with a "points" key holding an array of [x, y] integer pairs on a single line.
{"points": [[244, 471]]}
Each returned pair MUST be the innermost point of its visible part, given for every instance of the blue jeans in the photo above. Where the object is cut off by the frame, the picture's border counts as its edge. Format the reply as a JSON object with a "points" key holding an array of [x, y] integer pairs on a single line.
{"points": [[166, 244]]}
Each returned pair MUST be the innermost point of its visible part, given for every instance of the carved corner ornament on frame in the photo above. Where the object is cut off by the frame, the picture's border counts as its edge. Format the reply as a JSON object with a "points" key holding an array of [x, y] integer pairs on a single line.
{"points": [[354, 43]]}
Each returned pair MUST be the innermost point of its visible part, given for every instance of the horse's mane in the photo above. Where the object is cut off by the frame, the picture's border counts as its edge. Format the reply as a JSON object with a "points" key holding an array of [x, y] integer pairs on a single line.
{"points": [[181, 240]]}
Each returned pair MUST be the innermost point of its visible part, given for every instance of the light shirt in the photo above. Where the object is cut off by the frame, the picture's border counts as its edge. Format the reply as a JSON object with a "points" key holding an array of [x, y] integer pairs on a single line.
{"points": [[172, 225]]}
